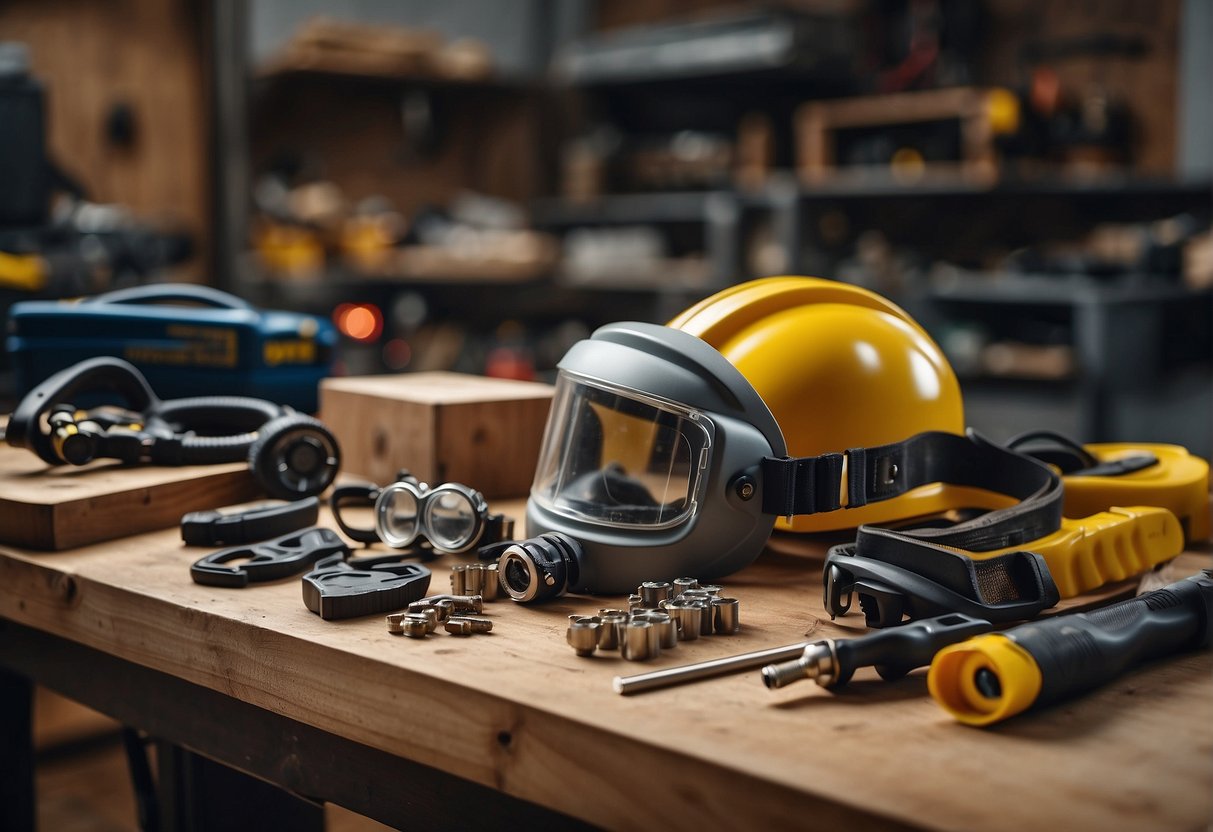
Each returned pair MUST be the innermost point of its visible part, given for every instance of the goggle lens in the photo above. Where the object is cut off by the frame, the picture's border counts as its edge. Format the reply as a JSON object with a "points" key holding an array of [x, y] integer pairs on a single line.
{"points": [[451, 517], [397, 514], [451, 520]]}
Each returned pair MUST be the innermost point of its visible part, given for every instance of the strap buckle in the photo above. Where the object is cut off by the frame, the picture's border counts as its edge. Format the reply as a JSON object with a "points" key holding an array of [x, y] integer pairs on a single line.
{"points": [[804, 485]]}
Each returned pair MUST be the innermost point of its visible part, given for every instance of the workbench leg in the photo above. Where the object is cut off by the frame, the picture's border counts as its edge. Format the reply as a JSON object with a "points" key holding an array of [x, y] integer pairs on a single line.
{"points": [[199, 795], [18, 803]]}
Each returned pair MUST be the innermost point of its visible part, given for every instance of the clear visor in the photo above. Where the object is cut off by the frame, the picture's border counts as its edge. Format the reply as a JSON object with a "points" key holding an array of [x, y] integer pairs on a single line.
{"points": [[621, 458]]}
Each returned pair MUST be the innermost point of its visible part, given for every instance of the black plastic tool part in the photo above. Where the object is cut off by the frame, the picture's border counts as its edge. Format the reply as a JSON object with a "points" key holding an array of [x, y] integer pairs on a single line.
{"points": [[1085, 650], [294, 456], [104, 373], [281, 558], [217, 528], [1072, 459], [889, 594], [340, 589], [898, 650], [362, 495]]}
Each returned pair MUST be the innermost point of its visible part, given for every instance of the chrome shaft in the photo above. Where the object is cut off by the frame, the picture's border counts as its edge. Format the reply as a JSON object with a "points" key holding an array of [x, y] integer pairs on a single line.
{"points": [[671, 676]]}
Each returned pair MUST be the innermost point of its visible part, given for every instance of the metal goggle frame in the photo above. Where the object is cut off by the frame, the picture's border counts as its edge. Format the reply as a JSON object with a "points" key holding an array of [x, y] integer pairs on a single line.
{"points": [[451, 517]]}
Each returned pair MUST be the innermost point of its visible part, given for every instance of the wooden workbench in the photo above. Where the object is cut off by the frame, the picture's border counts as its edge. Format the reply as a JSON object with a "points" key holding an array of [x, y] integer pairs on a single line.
{"points": [[519, 713]]}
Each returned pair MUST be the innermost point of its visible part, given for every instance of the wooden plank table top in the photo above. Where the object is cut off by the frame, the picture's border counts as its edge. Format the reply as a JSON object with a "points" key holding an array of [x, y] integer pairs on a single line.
{"points": [[517, 710], [59, 507]]}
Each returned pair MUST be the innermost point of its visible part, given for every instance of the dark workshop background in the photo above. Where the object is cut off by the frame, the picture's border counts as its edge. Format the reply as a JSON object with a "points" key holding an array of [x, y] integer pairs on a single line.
{"points": [[475, 185]]}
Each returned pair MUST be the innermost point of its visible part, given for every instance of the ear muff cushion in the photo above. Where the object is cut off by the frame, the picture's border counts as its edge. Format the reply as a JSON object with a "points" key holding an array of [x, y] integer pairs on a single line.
{"points": [[294, 456]]}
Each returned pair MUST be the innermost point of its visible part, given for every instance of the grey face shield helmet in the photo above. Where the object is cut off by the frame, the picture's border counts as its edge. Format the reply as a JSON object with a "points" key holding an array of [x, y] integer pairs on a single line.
{"points": [[651, 460]]}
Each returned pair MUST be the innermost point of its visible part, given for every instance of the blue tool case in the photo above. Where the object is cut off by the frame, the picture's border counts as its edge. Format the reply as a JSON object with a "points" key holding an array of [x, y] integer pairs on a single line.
{"points": [[187, 340]]}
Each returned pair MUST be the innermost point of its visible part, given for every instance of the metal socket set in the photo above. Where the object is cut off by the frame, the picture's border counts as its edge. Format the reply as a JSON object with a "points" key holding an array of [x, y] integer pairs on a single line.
{"points": [[659, 615], [475, 579], [456, 614]]}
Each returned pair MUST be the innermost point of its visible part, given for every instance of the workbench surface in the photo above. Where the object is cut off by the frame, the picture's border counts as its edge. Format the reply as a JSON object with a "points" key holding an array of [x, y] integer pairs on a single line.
{"points": [[518, 711]]}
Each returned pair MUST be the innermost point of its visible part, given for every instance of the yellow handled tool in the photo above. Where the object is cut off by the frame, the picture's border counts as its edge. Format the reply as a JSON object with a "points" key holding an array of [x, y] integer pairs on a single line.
{"points": [[992, 677]]}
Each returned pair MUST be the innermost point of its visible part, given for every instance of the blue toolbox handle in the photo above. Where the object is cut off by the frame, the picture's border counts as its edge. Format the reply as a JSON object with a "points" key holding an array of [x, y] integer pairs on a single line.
{"points": [[157, 293]]}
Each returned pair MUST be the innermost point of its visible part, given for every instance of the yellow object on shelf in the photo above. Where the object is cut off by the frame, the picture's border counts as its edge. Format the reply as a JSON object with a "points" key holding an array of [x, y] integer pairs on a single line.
{"points": [[26, 272]]}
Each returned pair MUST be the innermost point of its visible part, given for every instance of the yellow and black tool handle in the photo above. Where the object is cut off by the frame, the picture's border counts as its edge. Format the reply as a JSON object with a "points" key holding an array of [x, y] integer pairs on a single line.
{"points": [[991, 677]]}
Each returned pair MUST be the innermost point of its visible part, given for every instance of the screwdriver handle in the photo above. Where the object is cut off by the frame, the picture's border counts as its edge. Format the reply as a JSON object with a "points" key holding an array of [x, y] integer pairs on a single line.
{"points": [[893, 652], [989, 678], [896, 651]]}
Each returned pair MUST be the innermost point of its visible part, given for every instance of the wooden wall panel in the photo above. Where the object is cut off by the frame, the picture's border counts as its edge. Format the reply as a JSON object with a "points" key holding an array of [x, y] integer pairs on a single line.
{"points": [[147, 54], [350, 131], [1150, 83]]}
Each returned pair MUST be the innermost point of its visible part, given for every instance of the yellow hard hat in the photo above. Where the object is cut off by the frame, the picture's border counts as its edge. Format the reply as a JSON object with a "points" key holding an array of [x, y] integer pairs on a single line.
{"points": [[672, 449], [839, 367]]}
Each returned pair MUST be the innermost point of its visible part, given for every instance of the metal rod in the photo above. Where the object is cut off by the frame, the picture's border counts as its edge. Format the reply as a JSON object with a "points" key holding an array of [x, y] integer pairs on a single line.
{"points": [[670, 676]]}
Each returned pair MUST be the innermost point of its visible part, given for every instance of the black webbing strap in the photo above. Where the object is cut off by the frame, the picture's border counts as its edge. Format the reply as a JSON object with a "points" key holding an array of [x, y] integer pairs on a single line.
{"points": [[812, 484], [805, 485], [925, 571]]}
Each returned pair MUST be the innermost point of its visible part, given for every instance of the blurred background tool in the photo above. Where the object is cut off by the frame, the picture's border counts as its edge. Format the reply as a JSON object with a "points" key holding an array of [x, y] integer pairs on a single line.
{"points": [[187, 340]]}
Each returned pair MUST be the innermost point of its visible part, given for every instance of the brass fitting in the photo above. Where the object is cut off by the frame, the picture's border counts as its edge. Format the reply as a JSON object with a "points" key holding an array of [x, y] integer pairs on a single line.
{"points": [[466, 625], [413, 625]]}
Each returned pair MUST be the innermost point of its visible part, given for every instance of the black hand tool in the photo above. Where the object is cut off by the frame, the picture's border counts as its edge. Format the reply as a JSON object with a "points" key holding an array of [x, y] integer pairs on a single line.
{"points": [[345, 589], [893, 652], [281, 558], [260, 522], [990, 678]]}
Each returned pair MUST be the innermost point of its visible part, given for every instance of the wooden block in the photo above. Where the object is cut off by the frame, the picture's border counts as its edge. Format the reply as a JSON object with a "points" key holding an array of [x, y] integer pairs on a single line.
{"points": [[59, 508], [443, 427]]}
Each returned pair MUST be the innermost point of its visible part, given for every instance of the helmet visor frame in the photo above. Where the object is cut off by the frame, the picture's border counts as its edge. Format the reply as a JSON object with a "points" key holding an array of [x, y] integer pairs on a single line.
{"points": [[617, 457]]}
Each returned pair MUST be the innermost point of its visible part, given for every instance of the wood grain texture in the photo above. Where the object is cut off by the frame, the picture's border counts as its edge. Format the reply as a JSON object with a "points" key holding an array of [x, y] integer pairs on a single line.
{"points": [[348, 130], [1147, 83], [517, 710], [142, 54], [818, 123], [58, 508], [440, 427]]}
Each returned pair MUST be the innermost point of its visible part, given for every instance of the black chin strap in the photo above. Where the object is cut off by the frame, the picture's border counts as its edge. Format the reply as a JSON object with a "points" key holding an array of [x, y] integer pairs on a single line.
{"points": [[809, 485], [915, 571]]}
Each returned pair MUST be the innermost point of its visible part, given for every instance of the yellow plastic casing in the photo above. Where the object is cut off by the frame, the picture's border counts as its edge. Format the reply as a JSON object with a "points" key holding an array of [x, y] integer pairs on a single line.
{"points": [[1003, 111], [288, 249], [1108, 546], [1179, 483], [839, 367], [27, 272], [952, 679]]}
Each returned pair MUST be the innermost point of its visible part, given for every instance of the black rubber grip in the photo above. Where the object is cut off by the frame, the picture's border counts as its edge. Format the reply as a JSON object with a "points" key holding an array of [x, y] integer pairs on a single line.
{"points": [[213, 528], [898, 650], [1082, 651]]}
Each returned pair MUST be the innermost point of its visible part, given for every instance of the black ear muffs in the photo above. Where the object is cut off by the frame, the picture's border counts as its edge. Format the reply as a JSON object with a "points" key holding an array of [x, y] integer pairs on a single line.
{"points": [[294, 456]]}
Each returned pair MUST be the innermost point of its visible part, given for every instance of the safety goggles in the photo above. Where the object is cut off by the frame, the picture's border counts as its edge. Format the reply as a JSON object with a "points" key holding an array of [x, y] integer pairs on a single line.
{"points": [[450, 518]]}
